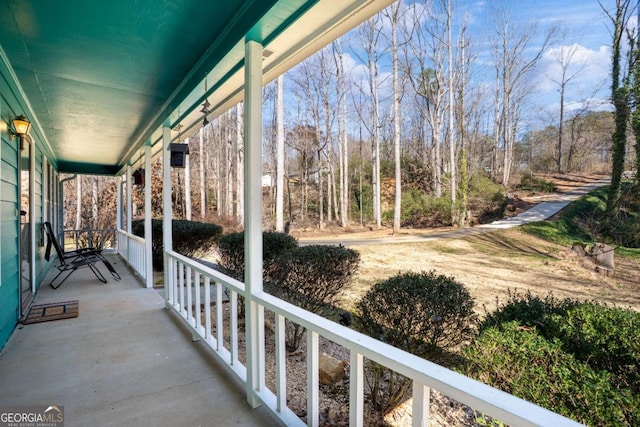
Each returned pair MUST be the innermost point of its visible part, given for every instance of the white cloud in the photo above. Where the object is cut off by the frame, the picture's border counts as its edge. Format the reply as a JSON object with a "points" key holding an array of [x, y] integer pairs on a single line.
{"points": [[356, 70], [589, 70]]}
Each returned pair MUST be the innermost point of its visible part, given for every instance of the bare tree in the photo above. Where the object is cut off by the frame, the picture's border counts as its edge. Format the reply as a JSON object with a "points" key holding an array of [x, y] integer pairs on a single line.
{"points": [[510, 47], [393, 14], [426, 70], [369, 32], [313, 82], [451, 117], [229, 162], [239, 163], [461, 120], [620, 97], [569, 70], [343, 142]]}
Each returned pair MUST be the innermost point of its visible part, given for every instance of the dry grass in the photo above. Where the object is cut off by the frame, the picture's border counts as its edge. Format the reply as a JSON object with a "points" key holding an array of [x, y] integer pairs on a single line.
{"points": [[490, 264]]}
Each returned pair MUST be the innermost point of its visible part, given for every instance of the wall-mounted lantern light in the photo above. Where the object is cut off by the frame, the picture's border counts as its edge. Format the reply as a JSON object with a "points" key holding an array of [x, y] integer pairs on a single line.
{"points": [[21, 127], [178, 155], [138, 177]]}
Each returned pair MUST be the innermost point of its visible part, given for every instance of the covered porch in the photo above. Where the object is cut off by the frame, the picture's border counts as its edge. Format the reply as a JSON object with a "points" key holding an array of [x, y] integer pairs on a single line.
{"points": [[134, 357], [123, 361]]}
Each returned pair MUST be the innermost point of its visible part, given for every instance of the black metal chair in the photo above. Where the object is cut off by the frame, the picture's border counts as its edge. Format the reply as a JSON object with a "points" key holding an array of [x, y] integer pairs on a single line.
{"points": [[74, 260]]}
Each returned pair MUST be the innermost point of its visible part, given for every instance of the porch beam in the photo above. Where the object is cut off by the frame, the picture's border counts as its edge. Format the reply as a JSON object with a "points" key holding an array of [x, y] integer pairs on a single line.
{"points": [[253, 218]]}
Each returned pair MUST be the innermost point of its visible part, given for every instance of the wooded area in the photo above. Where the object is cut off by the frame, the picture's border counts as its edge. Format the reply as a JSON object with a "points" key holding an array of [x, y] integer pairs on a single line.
{"points": [[389, 121]]}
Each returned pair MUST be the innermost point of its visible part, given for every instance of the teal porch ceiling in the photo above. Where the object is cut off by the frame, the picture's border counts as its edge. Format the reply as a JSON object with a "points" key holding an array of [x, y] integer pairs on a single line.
{"points": [[102, 76]]}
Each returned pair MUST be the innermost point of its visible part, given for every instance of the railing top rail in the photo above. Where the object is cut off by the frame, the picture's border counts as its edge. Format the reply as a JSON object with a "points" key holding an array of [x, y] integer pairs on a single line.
{"points": [[131, 236], [72, 230], [491, 401], [227, 281]]}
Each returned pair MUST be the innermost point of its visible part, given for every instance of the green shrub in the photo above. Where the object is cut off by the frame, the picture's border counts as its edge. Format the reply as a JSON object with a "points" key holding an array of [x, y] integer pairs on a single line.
{"points": [[421, 210], [231, 251], [596, 341], [422, 313], [486, 200], [188, 237], [519, 361], [311, 277], [527, 309], [594, 333], [231, 254], [606, 338], [531, 183]]}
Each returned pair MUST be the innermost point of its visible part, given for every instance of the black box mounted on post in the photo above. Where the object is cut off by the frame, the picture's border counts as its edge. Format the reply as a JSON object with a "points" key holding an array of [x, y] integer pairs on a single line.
{"points": [[138, 177], [178, 154]]}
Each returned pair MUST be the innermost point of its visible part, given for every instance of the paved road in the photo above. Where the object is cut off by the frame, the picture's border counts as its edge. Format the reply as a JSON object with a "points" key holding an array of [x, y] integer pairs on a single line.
{"points": [[539, 212]]}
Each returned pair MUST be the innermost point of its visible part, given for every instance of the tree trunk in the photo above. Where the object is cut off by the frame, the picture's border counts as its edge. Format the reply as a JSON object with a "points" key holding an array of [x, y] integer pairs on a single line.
{"points": [[396, 118], [343, 154], [452, 139], [334, 192], [240, 163], [229, 165], [437, 163], [462, 123], [560, 126], [619, 97], [217, 170], [320, 191]]}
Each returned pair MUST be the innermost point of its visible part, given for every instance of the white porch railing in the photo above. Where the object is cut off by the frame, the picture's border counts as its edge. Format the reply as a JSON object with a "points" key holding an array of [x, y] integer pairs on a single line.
{"points": [[132, 249], [192, 286], [102, 238]]}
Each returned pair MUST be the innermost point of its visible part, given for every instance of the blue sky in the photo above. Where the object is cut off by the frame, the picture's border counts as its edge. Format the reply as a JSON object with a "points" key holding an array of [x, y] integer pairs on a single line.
{"points": [[582, 27]]}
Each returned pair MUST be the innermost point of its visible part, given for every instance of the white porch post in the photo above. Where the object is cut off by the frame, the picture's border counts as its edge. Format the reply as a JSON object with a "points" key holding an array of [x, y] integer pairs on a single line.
{"points": [[32, 214], [148, 265], [118, 212], [129, 204], [253, 218], [167, 211], [119, 202]]}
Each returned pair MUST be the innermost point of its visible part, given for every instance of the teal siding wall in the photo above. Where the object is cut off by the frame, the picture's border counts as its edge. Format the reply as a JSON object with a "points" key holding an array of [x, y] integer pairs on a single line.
{"points": [[8, 238], [38, 209], [12, 104]]}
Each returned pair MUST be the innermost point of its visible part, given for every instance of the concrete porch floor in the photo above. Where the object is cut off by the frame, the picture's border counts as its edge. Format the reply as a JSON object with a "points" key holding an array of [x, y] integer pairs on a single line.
{"points": [[124, 361]]}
